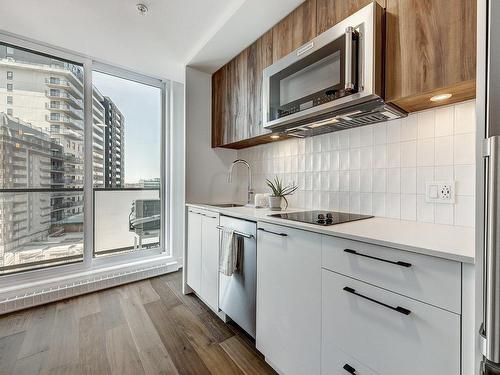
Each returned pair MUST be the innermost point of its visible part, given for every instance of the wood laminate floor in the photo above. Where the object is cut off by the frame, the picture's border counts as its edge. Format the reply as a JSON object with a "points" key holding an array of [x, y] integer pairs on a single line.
{"points": [[147, 327]]}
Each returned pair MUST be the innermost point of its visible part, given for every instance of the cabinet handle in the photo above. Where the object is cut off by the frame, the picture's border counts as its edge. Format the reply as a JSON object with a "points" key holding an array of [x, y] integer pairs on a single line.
{"points": [[349, 369], [277, 234], [399, 309], [350, 84], [398, 263]]}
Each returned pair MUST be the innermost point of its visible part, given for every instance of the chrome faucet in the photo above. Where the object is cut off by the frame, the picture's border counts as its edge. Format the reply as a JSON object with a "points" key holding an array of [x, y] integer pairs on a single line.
{"points": [[251, 193]]}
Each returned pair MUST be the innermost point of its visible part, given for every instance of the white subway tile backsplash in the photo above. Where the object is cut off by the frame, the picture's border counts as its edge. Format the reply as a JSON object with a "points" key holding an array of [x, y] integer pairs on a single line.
{"points": [[464, 148], [394, 131], [380, 134], [394, 180], [379, 169], [366, 136], [425, 124], [425, 152], [366, 156], [378, 204], [409, 180], [393, 205], [365, 203], [408, 207], [465, 118], [354, 159], [465, 179], [443, 214], [380, 156], [379, 180], [464, 211], [344, 159], [354, 137], [425, 211], [365, 181], [443, 154], [444, 121], [408, 154], [394, 155], [424, 175], [344, 181], [354, 180], [409, 128]]}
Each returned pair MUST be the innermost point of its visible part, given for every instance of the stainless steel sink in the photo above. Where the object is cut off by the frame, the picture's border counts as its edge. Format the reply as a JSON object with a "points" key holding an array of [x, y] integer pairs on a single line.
{"points": [[222, 205]]}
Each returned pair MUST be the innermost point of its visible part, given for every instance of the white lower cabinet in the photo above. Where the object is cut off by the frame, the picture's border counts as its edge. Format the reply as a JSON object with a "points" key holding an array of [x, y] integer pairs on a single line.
{"points": [[210, 260], [289, 299], [193, 261], [387, 333], [202, 263]]}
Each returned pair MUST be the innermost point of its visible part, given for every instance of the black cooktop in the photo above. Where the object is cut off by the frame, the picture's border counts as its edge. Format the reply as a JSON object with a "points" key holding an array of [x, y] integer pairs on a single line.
{"points": [[322, 217]]}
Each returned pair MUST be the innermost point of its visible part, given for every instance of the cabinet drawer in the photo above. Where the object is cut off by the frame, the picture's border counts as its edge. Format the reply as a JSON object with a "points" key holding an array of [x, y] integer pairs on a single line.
{"points": [[429, 279], [388, 333], [337, 362]]}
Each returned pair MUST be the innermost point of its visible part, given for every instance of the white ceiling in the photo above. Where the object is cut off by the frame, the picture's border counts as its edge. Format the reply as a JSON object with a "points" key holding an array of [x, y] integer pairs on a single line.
{"points": [[171, 34]]}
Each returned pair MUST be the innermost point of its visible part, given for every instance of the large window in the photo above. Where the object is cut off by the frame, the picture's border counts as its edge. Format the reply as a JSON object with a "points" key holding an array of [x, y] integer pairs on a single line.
{"points": [[126, 164], [41, 160], [58, 146]]}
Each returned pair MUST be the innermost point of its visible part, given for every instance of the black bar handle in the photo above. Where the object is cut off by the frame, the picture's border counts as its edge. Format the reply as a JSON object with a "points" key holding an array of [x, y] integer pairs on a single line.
{"points": [[268, 231], [397, 263], [399, 309], [349, 369]]}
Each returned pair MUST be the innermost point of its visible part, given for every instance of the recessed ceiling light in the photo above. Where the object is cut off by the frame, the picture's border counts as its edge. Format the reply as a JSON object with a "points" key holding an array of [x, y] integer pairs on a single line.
{"points": [[440, 97], [275, 136], [142, 8]]}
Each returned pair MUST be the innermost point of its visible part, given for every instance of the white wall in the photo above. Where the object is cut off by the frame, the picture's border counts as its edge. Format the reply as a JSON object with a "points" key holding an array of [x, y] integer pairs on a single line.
{"points": [[379, 169], [206, 168], [176, 167]]}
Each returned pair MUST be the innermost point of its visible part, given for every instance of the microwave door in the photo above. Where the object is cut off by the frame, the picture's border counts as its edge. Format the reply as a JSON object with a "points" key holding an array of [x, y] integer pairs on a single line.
{"points": [[326, 74]]}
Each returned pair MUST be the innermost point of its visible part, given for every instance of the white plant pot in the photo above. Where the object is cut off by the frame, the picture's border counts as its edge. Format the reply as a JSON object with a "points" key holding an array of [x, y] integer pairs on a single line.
{"points": [[275, 203]]}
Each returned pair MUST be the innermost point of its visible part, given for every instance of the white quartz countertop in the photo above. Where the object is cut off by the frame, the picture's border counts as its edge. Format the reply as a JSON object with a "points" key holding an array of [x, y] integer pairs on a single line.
{"points": [[443, 241]]}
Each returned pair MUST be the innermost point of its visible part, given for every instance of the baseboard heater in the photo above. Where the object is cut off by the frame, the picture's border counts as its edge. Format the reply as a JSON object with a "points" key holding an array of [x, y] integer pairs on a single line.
{"points": [[73, 289]]}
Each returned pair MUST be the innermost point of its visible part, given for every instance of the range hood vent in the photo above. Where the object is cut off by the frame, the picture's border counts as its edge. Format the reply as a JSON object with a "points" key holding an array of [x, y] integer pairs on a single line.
{"points": [[371, 112]]}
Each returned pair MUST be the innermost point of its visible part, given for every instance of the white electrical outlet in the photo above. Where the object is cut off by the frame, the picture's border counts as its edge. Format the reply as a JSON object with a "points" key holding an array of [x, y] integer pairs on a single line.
{"points": [[440, 192]]}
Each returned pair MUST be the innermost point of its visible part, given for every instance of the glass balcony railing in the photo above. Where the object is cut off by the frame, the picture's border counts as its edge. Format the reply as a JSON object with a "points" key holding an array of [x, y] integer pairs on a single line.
{"points": [[126, 220]]}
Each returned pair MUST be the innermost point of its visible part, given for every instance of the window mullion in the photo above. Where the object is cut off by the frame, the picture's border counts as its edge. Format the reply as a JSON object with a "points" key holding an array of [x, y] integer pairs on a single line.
{"points": [[88, 161]]}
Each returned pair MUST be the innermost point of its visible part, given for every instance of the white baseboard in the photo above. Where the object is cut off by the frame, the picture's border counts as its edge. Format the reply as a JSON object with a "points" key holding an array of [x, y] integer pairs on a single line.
{"points": [[73, 287]]}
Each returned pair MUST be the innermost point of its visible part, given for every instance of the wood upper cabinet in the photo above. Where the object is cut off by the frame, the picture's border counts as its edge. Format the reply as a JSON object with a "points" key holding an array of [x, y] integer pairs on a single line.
{"points": [[331, 12], [259, 57], [430, 49], [294, 30]]}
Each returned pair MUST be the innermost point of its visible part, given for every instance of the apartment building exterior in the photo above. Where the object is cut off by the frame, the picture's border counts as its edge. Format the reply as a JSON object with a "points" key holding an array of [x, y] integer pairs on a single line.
{"points": [[25, 160], [41, 114], [114, 150]]}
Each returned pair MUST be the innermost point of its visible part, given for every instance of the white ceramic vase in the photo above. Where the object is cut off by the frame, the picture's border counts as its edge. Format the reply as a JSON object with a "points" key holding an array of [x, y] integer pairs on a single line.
{"points": [[275, 203]]}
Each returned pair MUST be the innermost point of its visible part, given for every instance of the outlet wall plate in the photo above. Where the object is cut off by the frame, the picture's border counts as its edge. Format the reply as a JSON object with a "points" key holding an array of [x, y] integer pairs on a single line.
{"points": [[440, 192]]}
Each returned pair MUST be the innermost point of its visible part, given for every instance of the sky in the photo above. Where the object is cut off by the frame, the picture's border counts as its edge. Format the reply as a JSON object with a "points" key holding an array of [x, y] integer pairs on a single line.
{"points": [[141, 106]]}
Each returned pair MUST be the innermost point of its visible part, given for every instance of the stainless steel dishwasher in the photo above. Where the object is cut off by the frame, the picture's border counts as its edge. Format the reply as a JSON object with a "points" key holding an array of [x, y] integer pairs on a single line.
{"points": [[237, 293]]}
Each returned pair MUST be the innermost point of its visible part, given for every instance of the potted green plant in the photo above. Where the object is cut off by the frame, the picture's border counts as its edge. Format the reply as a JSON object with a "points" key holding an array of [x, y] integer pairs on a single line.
{"points": [[279, 193]]}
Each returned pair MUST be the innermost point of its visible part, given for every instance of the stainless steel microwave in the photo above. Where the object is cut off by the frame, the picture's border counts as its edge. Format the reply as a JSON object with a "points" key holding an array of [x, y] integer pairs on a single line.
{"points": [[333, 82]]}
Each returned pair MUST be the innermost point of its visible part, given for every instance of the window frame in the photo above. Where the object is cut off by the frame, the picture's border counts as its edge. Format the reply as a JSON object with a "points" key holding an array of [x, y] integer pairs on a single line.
{"points": [[91, 263]]}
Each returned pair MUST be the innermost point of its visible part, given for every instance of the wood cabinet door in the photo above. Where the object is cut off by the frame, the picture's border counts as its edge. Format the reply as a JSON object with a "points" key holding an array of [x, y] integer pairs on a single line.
{"points": [[219, 106], [331, 12], [259, 57], [430, 45], [210, 259], [289, 298], [194, 250], [294, 30]]}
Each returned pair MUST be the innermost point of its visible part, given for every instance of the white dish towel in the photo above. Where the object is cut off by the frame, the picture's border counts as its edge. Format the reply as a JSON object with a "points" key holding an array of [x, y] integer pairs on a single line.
{"points": [[228, 259]]}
